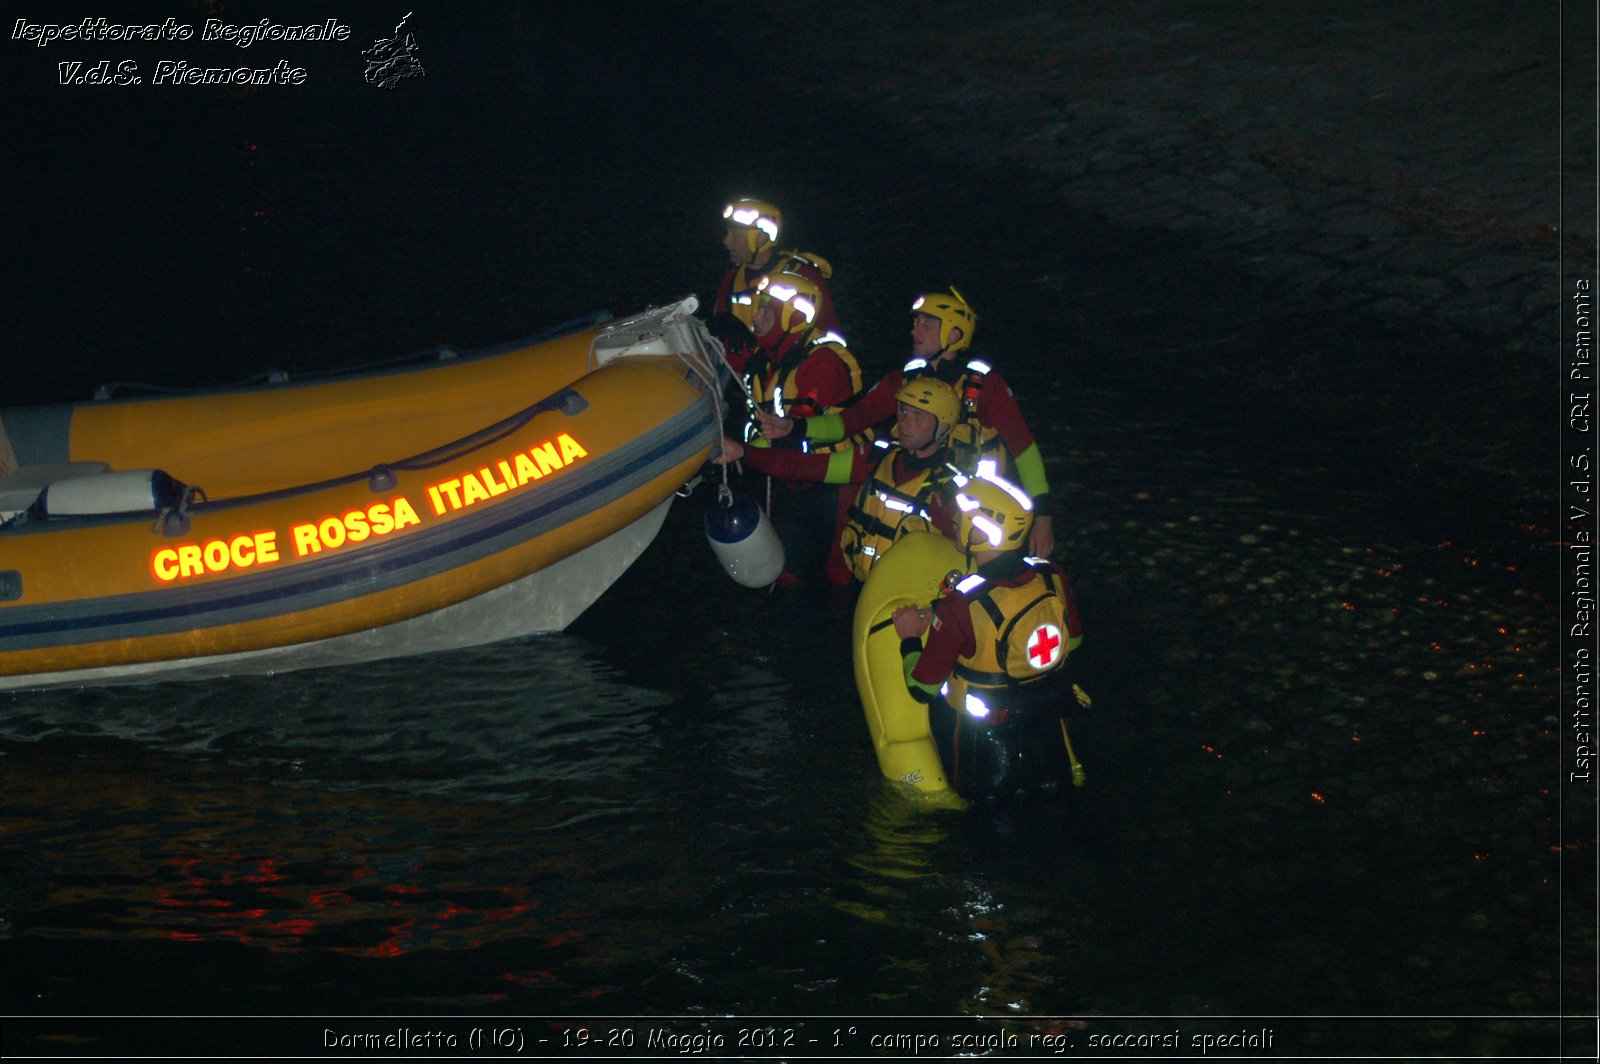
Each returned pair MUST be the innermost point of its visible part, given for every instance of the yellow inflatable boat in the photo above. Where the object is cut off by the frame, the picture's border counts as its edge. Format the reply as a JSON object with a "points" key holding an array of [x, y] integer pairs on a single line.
{"points": [[469, 498], [911, 572]]}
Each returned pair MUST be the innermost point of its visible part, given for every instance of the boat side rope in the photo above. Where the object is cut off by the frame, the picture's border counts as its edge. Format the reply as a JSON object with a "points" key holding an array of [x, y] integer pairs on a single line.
{"points": [[174, 520], [566, 400], [708, 375], [441, 353]]}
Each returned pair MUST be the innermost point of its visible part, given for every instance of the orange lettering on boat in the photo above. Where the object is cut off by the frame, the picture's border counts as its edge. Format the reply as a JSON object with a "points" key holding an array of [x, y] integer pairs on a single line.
{"points": [[376, 521], [482, 484], [244, 551]]}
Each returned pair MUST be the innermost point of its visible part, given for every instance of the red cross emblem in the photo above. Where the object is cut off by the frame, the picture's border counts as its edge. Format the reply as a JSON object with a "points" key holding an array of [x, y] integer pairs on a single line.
{"points": [[1044, 646]]}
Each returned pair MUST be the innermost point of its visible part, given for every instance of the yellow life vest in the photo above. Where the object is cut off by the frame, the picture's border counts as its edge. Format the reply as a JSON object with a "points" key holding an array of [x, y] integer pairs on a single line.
{"points": [[742, 294], [975, 448], [972, 443], [772, 388], [1021, 634], [886, 510]]}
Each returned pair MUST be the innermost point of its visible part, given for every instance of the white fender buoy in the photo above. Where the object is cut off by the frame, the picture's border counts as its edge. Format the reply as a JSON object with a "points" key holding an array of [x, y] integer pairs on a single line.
{"points": [[743, 540]]}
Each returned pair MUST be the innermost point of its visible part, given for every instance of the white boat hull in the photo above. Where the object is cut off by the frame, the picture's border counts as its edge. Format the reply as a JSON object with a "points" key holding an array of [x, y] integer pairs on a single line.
{"points": [[544, 601]]}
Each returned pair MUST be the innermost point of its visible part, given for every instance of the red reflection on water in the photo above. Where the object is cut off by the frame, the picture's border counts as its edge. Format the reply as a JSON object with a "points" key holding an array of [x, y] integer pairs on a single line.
{"points": [[455, 926], [255, 901]]}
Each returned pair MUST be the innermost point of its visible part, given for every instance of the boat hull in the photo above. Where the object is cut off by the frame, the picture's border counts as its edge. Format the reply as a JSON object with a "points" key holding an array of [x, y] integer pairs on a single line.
{"points": [[542, 602]]}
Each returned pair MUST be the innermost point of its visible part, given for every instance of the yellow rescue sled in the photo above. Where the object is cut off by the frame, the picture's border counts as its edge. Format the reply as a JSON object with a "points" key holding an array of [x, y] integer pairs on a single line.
{"points": [[911, 572]]}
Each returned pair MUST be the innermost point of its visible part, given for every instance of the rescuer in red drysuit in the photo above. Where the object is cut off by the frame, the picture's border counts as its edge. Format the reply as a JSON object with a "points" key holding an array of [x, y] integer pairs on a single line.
{"points": [[942, 325], [906, 481], [796, 368], [751, 241], [991, 670]]}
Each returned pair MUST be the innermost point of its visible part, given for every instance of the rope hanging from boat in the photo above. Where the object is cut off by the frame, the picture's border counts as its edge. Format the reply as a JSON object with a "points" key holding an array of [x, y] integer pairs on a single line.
{"points": [[441, 353], [709, 377], [724, 490]]}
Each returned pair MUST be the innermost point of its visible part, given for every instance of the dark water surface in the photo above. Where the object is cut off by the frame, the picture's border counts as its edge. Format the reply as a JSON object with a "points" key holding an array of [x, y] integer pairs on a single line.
{"points": [[1322, 756]]}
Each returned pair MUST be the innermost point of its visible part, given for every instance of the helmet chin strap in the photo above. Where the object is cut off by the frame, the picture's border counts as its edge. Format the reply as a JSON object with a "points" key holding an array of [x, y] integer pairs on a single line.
{"points": [[786, 342]]}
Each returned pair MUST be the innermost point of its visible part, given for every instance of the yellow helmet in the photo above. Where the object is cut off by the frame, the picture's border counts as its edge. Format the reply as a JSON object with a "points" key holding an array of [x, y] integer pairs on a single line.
{"points": [[953, 311], [812, 259], [933, 395], [796, 297], [995, 514], [759, 219]]}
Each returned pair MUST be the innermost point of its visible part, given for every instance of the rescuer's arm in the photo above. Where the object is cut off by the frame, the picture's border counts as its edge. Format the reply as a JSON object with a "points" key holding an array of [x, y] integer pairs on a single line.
{"points": [[1030, 474], [909, 623], [877, 404], [784, 464], [997, 407], [848, 467], [1030, 471]]}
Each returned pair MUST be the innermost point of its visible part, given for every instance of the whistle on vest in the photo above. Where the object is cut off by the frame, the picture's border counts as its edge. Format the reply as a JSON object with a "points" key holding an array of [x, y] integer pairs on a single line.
{"points": [[948, 584]]}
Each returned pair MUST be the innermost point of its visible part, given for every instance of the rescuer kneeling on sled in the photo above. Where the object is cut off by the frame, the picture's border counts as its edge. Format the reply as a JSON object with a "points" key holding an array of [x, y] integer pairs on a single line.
{"points": [[991, 670]]}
